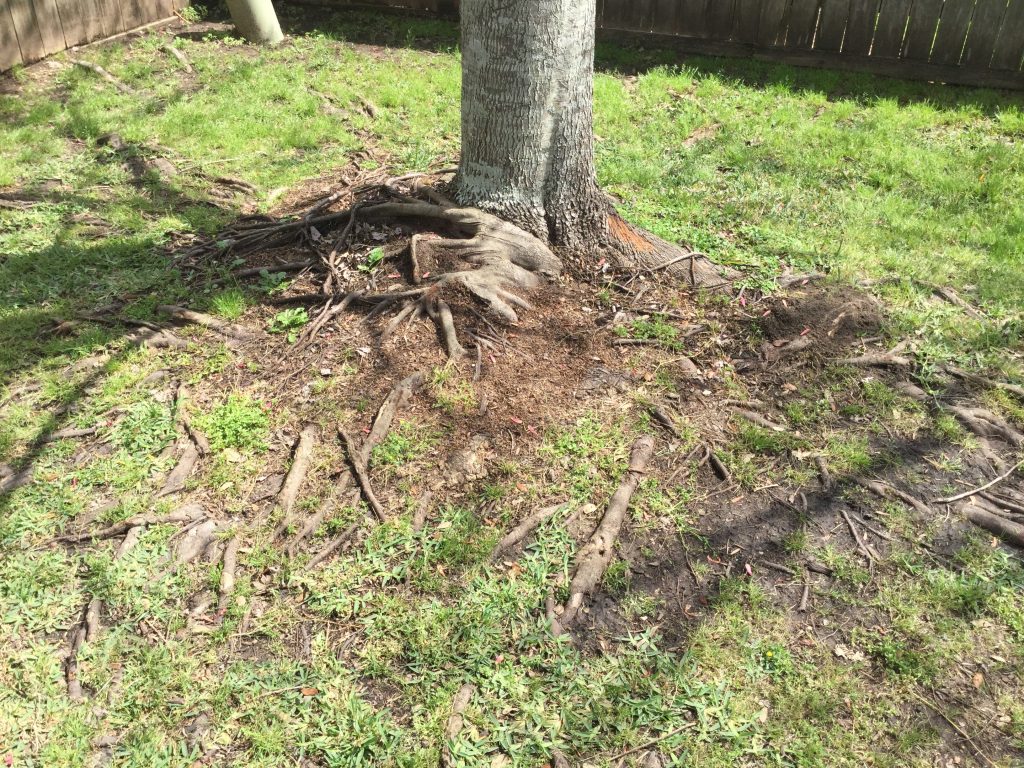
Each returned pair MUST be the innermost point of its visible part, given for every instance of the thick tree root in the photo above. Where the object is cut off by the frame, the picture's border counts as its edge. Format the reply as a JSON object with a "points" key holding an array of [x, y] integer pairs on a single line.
{"points": [[453, 727], [879, 360], [234, 333], [524, 529], [596, 554], [286, 499], [69, 434], [1007, 530], [886, 491], [16, 480], [189, 513], [179, 475], [496, 261], [227, 577]]}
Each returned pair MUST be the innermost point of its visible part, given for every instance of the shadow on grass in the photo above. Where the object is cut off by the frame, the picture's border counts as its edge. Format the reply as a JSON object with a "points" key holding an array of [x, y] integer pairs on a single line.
{"points": [[394, 28]]}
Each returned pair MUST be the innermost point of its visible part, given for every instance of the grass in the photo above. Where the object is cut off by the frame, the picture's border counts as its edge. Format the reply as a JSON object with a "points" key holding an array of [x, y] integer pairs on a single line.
{"points": [[787, 168]]}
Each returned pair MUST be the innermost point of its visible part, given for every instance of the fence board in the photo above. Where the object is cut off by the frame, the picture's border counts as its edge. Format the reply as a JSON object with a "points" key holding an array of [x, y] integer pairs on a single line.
{"points": [[981, 37], [10, 51], [832, 25], [860, 28], [720, 17], [892, 25], [748, 16], [1009, 49], [26, 29], [109, 12], [771, 29], [953, 24], [133, 13], [665, 15], [924, 19], [50, 28], [73, 21], [803, 21]]}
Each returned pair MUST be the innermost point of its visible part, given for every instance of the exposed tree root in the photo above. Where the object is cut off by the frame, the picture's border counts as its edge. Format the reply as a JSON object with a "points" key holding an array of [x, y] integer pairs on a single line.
{"points": [[453, 727], [630, 248], [16, 480], [332, 546], [985, 423], [760, 421], [189, 513], [198, 438], [1005, 529], [880, 359], [524, 529], [97, 69], [180, 474], [227, 577], [179, 55], [596, 554], [69, 434], [296, 475], [88, 627], [862, 545], [985, 487], [229, 330], [886, 491], [419, 518], [359, 469]]}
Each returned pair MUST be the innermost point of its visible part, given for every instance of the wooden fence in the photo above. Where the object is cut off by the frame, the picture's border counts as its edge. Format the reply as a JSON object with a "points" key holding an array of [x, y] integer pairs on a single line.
{"points": [[32, 29], [975, 42]]}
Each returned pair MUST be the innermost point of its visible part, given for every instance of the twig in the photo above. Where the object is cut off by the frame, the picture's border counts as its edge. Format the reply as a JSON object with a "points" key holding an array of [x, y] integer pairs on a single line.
{"points": [[868, 553], [935, 708], [985, 487], [652, 742], [805, 596]]}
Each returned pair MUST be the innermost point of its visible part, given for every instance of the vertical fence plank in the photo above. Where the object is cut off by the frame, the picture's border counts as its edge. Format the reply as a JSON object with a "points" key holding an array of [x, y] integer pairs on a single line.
{"points": [[133, 13], [981, 37], [860, 28], [10, 51], [803, 22], [50, 28], [72, 21], [953, 24], [832, 25], [664, 18], [892, 26], [615, 13], [110, 17], [748, 16], [1009, 49], [771, 29], [720, 17], [26, 29], [692, 17], [924, 19]]}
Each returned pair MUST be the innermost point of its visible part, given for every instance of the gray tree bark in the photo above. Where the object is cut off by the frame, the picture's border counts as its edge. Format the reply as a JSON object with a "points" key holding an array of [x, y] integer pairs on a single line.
{"points": [[527, 115], [527, 134]]}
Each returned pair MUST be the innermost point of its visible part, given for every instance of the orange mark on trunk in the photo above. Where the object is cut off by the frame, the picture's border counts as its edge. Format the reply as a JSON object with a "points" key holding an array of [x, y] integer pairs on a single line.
{"points": [[628, 235]]}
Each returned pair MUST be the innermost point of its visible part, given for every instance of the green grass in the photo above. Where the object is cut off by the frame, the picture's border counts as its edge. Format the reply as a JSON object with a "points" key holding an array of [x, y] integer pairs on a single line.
{"points": [[787, 168]]}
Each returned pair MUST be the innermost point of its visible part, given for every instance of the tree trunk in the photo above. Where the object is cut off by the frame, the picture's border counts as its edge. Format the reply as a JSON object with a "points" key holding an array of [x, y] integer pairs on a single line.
{"points": [[256, 20], [527, 133]]}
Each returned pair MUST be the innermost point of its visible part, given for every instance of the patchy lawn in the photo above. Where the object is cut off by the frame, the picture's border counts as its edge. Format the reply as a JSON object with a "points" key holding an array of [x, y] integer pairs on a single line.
{"points": [[763, 607]]}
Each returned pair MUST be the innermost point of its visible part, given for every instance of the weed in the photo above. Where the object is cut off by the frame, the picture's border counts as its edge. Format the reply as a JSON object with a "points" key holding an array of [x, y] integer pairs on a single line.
{"points": [[145, 428], [654, 328], [230, 304], [373, 260], [289, 321], [239, 422]]}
